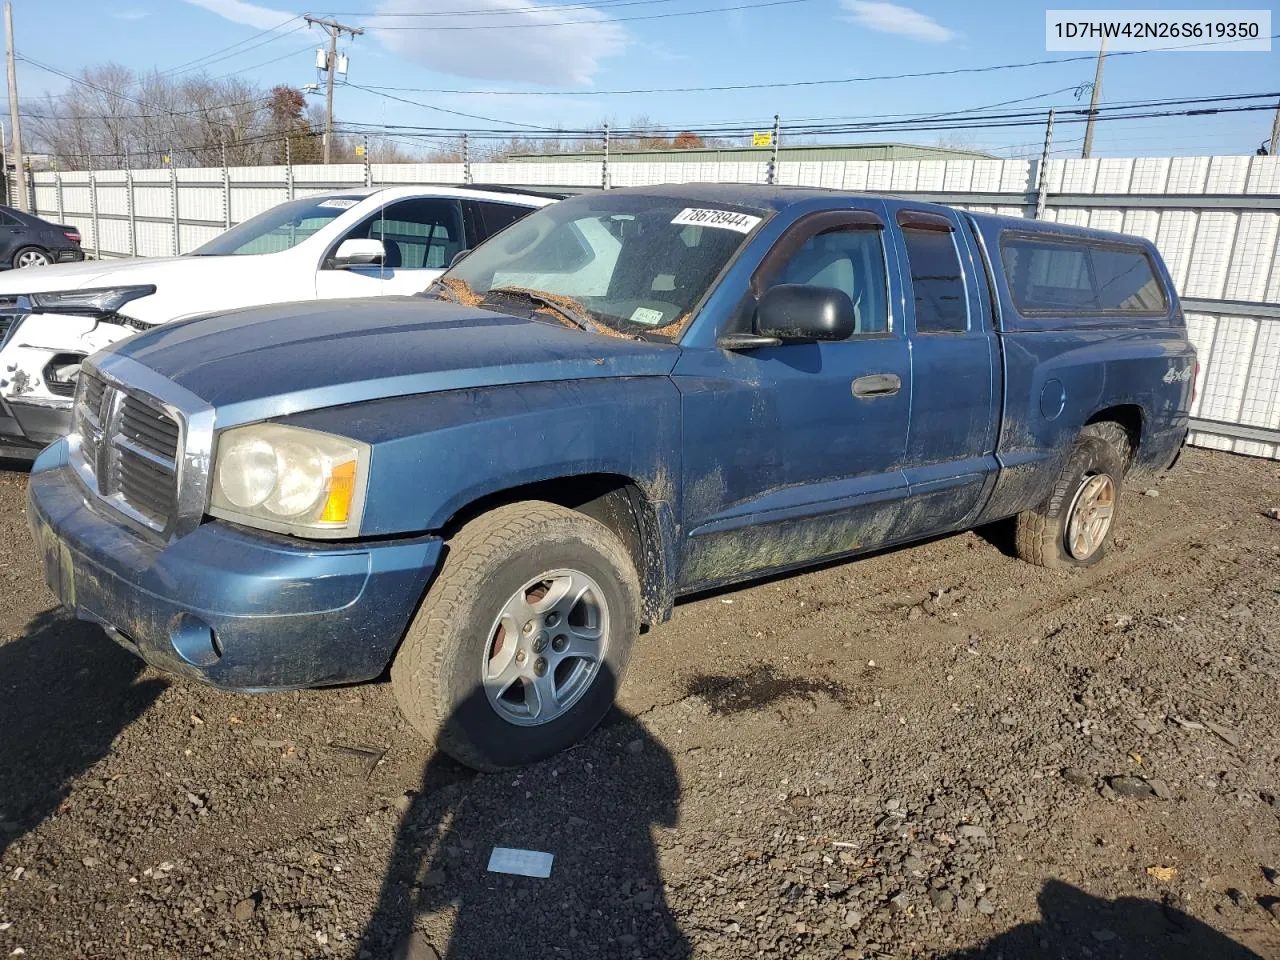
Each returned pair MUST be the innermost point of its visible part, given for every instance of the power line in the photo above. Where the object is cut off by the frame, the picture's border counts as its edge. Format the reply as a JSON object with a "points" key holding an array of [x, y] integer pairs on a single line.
{"points": [[178, 70], [784, 84], [413, 136], [122, 96], [500, 11], [136, 81], [238, 43], [605, 20], [150, 116], [456, 113], [989, 122], [264, 63], [230, 56]]}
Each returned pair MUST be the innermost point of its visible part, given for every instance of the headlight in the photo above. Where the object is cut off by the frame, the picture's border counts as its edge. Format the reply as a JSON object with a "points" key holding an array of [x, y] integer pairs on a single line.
{"points": [[290, 479], [101, 301]]}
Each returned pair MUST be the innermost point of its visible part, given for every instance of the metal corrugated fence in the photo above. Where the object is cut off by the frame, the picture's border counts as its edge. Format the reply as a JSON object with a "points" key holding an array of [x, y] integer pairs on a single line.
{"points": [[1216, 221]]}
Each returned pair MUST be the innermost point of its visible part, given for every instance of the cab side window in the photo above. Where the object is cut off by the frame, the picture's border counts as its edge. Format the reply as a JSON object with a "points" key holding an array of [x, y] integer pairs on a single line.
{"points": [[848, 259], [937, 281]]}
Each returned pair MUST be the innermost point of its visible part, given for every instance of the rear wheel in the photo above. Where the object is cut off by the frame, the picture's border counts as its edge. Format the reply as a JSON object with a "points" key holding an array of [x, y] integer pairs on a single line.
{"points": [[522, 640], [1075, 525], [31, 257]]}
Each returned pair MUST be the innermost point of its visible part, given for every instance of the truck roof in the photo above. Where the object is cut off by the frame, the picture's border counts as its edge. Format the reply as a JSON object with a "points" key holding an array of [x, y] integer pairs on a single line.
{"points": [[774, 197], [989, 223], [763, 197]]}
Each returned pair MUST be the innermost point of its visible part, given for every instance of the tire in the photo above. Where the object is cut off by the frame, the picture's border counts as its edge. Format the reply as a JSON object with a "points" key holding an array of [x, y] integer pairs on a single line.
{"points": [[449, 673], [1091, 480], [33, 257]]}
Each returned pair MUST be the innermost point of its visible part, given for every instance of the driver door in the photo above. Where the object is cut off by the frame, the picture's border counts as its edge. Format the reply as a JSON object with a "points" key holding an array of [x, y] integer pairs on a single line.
{"points": [[793, 453], [420, 237]]}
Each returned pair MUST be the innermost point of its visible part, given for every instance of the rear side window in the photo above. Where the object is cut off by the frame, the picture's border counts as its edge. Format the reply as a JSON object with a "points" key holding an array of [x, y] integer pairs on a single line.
{"points": [[1126, 281], [936, 280], [499, 216], [1053, 276]]}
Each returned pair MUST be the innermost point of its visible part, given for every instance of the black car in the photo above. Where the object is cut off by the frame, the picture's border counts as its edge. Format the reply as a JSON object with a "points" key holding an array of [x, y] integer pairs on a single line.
{"points": [[27, 241]]}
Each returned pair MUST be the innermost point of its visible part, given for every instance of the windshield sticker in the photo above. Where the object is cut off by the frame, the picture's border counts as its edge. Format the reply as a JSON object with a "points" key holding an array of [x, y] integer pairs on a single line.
{"points": [[724, 219], [650, 318], [338, 204]]}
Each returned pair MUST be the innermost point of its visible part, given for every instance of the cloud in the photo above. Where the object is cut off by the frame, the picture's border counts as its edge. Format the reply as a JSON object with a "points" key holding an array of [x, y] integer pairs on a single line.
{"points": [[250, 14], [892, 18], [557, 53]]}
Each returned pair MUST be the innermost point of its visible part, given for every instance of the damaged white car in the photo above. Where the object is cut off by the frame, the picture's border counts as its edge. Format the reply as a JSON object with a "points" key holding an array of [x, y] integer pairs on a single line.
{"points": [[348, 243]]}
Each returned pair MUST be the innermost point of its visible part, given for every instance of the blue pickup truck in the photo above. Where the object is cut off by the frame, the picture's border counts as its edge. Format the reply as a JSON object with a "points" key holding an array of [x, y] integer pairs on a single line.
{"points": [[627, 397]]}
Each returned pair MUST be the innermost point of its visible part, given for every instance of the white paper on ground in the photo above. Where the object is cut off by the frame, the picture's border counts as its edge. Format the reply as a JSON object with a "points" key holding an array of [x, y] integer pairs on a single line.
{"points": [[522, 863]]}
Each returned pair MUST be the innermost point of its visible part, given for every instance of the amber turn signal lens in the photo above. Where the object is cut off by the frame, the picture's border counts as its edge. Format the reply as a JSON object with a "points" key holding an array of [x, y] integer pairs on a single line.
{"points": [[342, 488]]}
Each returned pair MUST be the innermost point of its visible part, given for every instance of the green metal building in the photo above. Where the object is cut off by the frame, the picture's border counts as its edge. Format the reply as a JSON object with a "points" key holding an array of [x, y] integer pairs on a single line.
{"points": [[798, 152]]}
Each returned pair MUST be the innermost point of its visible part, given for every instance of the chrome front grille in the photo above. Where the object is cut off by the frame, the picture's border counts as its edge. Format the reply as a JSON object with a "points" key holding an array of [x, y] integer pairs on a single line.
{"points": [[129, 449]]}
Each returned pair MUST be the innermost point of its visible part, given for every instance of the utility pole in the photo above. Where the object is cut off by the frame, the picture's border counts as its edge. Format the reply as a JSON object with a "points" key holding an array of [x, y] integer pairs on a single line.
{"points": [[1275, 133], [335, 30], [1093, 101], [21, 193]]}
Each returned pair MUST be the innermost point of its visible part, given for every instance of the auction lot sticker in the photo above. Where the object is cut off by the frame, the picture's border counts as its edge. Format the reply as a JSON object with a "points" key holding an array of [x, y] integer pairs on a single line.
{"points": [[723, 219]]}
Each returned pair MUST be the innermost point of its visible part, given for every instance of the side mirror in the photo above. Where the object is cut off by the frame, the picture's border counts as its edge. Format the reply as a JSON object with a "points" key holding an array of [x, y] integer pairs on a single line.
{"points": [[459, 257], [358, 252], [794, 311]]}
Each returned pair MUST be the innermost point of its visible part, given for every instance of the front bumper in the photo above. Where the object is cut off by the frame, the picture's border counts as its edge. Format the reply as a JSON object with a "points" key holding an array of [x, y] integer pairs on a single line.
{"points": [[229, 607], [26, 427]]}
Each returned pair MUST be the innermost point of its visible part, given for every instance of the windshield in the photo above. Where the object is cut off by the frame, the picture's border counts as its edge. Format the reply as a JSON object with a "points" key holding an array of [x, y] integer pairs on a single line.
{"points": [[629, 263], [279, 228]]}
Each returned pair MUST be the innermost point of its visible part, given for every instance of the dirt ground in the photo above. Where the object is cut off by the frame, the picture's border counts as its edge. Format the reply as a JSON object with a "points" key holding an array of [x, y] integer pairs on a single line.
{"points": [[934, 752]]}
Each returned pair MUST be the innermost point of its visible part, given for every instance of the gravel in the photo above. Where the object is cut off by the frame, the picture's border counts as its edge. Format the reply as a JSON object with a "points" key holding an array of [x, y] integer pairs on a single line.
{"points": [[938, 751]]}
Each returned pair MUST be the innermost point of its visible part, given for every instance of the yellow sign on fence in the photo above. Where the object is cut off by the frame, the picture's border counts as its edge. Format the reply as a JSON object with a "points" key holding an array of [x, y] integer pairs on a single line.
{"points": [[762, 139], [360, 151]]}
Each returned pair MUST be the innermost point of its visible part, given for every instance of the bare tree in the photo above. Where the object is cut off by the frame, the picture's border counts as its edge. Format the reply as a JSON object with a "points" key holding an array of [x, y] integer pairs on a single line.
{"points": [[112, 116]]}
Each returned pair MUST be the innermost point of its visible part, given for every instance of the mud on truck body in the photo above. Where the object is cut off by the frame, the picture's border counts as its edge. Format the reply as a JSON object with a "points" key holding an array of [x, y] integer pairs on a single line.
{"points": [[627, 397]]}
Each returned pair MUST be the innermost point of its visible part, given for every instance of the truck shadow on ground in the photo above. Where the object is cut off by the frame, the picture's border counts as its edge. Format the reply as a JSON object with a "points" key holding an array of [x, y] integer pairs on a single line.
{"points": [[1075, 924], [66, 693], [593, 807]]}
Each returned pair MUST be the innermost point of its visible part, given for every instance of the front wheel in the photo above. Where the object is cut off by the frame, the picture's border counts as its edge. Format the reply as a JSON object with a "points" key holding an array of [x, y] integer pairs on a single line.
{"points": [[1075, 525], [523, 638]]}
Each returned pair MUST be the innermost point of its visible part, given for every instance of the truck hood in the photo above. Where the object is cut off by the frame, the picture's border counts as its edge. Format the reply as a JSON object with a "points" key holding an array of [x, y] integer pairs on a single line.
{"points": [[273, 361]]}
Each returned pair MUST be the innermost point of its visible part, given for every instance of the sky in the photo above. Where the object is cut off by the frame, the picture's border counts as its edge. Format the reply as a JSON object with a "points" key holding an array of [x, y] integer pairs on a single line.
{"points": [[529, 64]]}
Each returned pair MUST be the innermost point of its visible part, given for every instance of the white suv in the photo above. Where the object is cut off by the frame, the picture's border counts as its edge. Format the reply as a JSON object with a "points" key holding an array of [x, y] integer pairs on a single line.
{"points": [[346, 243]]}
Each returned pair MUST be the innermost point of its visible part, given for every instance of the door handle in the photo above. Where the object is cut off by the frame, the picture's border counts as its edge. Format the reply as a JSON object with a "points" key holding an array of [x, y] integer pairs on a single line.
{"points": [[877, 385]]}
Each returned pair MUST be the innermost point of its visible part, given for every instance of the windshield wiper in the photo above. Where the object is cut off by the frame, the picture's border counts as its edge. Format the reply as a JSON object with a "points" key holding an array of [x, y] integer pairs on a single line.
{"points": [[443, 291], [573, 316]]}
